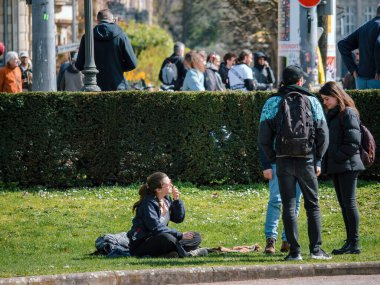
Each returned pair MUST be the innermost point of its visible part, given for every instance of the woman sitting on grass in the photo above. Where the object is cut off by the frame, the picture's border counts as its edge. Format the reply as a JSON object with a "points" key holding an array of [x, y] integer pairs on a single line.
{"points": [[150, 234]]}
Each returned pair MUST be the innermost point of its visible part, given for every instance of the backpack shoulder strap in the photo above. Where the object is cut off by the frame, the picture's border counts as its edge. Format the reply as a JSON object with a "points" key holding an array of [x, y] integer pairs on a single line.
{"points": [[237, 74]]}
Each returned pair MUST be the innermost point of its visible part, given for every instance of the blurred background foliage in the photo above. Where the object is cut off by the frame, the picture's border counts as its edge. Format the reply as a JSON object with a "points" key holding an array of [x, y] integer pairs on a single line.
{"points": [[151, 44]]}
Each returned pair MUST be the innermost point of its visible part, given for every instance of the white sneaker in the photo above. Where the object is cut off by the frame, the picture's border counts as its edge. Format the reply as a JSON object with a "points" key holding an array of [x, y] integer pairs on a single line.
{"points": [[291, 257], [320, 255]]}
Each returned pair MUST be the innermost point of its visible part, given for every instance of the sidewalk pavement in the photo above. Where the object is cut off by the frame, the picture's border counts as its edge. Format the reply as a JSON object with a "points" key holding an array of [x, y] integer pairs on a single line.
{"points": [[199, 274]]}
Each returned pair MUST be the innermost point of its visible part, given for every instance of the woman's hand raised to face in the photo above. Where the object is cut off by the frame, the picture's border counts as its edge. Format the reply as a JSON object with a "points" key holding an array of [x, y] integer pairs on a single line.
{"points": [[187, 235], [175, 193]]}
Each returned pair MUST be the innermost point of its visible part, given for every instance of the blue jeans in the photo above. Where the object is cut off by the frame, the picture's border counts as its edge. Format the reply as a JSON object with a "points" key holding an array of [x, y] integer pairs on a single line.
{"points": [[365, 83], [274, 207]]}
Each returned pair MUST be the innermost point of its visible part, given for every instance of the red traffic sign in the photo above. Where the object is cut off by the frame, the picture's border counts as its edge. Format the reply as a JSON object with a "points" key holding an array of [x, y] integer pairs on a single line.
{"points": [[309, 3]]}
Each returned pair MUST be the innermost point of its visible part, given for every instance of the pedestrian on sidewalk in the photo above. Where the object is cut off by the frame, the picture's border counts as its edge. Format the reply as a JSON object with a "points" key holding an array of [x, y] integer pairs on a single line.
{"points": [[293, 121], [150, 235], [10, 74], [26, 72], [113, 53], [342, 160], [367, 40]]}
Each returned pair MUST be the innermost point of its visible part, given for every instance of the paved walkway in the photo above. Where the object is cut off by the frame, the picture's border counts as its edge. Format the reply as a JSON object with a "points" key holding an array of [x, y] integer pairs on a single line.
{"points": [[201, 275], [325, 280]]}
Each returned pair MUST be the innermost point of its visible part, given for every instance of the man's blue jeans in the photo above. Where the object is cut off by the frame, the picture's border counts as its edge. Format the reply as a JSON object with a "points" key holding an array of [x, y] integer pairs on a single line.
{"points": [[365, 83], [274, 207]]}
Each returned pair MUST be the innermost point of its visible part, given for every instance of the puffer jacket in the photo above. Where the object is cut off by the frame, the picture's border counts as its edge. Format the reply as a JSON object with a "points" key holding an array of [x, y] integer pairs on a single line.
{"points": [[344, 141]]}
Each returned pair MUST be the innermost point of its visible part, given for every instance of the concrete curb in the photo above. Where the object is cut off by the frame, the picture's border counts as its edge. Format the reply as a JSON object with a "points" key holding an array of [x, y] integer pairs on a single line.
{"points": [[199, 274]]}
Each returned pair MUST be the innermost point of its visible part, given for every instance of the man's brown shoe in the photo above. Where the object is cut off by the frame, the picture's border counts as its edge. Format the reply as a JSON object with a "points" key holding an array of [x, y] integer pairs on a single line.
{"points": [[270, 247], [285, 247]]}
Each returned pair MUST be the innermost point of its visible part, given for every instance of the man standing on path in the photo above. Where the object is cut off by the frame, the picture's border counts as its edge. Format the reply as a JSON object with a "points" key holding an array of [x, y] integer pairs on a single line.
{"points": [[113, 53], [293, 121], [367, 40]]}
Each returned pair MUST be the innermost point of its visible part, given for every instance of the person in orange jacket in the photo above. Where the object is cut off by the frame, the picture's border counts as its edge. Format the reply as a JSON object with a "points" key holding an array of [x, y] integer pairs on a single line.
{"points": [[10, 74]]}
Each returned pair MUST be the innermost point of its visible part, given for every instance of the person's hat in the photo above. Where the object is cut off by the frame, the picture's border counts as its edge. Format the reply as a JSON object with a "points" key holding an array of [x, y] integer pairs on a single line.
{"points": [[292, 74], [24, 54]]}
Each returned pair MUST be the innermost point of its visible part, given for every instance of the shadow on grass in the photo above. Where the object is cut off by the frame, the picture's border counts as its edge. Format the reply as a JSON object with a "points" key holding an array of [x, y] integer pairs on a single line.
{"points": [[224, 259]]}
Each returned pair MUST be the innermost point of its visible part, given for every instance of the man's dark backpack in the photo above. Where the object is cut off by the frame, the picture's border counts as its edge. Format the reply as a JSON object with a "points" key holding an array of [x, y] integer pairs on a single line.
{"points": [[295, 126], [169, 73]]}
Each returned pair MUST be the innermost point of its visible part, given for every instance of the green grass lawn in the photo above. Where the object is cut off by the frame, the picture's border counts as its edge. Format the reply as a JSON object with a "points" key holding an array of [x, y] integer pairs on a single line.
{"points": [[50, 232]]}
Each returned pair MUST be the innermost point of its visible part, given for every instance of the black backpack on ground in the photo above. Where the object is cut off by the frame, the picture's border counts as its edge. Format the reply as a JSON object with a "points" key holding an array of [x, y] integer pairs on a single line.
{"points": [[295, 126]]}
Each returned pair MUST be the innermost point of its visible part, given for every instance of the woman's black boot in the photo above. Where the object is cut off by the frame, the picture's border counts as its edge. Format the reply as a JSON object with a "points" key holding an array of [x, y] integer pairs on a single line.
{"points": [[342, 250], [348, 248]]}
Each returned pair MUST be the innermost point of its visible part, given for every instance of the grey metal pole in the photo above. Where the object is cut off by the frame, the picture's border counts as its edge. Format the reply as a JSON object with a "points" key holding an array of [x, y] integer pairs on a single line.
{"points": [[43, 44], [309, 43], [74, 26], [13, 24], [5, 8], [90, 71], [18, 27]]}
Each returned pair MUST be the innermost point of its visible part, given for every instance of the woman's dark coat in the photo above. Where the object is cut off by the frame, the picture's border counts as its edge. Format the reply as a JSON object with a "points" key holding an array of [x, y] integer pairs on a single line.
{"points": [[147, 223], [344, 141]]}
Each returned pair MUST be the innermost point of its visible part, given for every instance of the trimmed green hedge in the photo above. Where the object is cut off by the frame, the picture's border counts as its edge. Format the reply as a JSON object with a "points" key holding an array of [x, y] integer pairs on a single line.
{"points": [[85, 139]]}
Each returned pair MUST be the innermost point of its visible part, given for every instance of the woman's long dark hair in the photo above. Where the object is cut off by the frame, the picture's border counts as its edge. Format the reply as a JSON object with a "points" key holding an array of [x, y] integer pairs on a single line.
{"points": [[153, 182], [332, 89]]}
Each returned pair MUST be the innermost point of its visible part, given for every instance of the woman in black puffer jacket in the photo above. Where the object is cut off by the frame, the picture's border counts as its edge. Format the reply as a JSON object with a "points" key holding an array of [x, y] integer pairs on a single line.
{"points": [[342, 160]]}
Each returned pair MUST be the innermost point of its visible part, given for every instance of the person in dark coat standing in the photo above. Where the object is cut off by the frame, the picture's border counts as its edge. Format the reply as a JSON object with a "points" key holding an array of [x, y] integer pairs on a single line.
{"points": [[342, 160], [262, 71], [367, 40], [291, 169], [113, 53], [176, 58]]}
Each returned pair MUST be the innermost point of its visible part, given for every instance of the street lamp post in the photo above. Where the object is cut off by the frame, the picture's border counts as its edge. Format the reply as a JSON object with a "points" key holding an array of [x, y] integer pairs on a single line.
{"points": [[43, 46], [89, 71]]}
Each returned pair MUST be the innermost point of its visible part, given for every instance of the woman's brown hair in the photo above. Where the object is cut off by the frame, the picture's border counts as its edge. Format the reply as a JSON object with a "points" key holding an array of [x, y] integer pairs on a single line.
{"points": [[153, 182], [332, 89]]}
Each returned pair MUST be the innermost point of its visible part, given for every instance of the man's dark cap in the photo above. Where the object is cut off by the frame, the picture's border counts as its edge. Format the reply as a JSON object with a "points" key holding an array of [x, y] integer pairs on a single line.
{"points": [[292, 74]]}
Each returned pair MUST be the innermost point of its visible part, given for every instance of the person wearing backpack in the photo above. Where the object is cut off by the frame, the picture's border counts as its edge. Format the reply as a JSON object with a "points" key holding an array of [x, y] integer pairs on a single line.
{"points": [[150, 235], [342, 160], [241, 76], [173, 72], [293, 134]]}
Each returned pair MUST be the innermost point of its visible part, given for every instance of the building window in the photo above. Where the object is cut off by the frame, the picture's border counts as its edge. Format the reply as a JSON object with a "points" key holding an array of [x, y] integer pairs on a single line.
{"points": [[349, 20], [369, 13]]}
